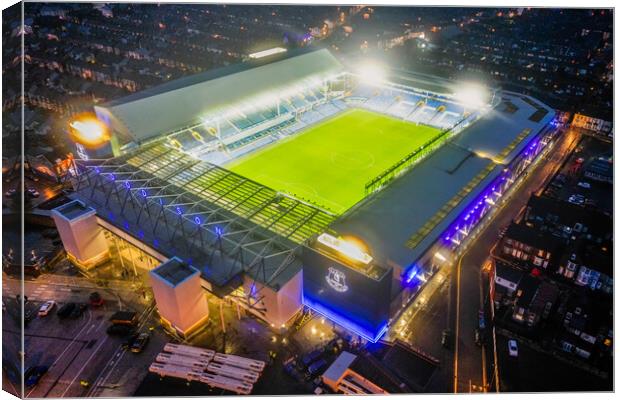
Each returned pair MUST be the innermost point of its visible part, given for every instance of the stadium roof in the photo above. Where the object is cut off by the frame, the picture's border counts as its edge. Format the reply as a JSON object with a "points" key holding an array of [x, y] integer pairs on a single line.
{"points": [[390, 219], [221, 223], [173, 105]]}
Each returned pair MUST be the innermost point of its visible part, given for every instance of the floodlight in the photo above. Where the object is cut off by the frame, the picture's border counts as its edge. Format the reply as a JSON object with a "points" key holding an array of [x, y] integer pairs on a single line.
{"points": [[89, 131], [472, 95], [372, 72]]}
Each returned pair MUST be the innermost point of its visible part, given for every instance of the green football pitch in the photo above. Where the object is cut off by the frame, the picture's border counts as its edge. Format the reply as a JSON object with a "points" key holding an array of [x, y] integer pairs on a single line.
{"points": [[329, 163]]}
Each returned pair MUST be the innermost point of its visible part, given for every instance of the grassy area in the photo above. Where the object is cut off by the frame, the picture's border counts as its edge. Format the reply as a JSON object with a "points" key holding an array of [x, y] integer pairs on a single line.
{"points": [[329, 163]]}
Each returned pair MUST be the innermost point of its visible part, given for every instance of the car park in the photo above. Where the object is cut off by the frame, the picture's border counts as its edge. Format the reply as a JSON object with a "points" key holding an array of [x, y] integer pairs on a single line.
{"points": [[46, 308], [513, 349]]}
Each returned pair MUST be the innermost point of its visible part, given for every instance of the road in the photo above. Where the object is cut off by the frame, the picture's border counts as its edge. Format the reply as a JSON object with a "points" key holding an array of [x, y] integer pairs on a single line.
{"points": [[450, 301], [73, 349], [472, 369]]}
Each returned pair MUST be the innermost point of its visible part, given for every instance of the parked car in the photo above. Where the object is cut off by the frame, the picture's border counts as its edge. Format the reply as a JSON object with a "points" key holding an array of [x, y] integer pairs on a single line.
{"points": [[478, 337], [95, 299], [513, 349], [139, 343], [311, 357], [32, 192], [584, 185], [66, 310], [445, 338], [576, 199], [316, 368], [77, 311], [28, 316], [129, 341], [124, 317], [120, 330], [46, 308], [34, 374], [291, 369]]}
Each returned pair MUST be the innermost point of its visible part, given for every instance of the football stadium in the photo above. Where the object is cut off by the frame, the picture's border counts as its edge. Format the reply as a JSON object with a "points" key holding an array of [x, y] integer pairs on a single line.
{"points": [[294, 183]]}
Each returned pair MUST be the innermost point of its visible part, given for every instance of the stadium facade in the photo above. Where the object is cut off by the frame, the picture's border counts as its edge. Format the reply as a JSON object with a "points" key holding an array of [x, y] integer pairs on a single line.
{"points": [[167, 193]]}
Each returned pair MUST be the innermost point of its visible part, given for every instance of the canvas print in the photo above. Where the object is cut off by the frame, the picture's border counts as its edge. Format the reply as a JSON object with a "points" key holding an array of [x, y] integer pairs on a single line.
{"points": [[250, 199]]}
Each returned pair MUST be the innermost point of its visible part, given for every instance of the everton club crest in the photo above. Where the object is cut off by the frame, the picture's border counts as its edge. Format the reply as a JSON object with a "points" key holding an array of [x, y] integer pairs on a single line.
{"points": [[337, 280]]}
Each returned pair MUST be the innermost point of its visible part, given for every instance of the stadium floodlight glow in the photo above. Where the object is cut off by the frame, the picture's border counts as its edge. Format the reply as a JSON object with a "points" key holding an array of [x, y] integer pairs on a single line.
{"points": [[372, 72], [348, 249], [471, 95], [89, 131]]}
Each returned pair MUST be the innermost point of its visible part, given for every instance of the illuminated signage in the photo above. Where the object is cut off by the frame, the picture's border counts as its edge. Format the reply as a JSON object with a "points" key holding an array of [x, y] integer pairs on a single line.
{"points": [[266, 53], [347, 249], [336, 280]]}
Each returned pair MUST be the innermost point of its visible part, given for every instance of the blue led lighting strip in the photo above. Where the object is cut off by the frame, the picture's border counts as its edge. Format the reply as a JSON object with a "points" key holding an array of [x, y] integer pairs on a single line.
{"points": [[343, 321]]}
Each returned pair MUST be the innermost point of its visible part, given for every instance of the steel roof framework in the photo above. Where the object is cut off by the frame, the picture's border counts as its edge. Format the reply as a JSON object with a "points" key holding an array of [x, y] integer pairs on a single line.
{"points": [[185, 205]]}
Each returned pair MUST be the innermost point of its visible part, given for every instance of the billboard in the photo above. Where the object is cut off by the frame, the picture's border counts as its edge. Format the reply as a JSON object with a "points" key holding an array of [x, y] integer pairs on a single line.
{"points": [[346, 295]]}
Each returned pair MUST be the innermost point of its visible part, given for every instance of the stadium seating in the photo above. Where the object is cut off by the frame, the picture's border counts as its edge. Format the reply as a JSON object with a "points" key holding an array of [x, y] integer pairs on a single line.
{"points": [[250, 127]]}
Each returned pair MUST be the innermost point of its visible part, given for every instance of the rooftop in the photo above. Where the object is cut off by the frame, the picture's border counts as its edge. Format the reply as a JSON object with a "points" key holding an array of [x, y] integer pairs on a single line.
{"points": [[173, 105], [175, 271], [74, 210], [406, 220]]}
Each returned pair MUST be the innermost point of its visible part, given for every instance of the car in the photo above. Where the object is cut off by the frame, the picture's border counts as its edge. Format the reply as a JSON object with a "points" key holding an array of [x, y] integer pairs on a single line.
{"points": [[584, 185], [139, 343], [120, 330], [292, 370], [46, 308], [481, 320], [513, 349], [445, 338], [95, 299], [129, 341], [28, 316], [124, 317], [576, 199], [33, 374], [311, 357], [33, 192], [478, 337], [66, 310], [77, 311], [316, 368]]}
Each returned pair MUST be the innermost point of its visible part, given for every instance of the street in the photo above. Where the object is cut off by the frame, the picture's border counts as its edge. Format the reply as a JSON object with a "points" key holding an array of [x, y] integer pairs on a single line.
{"points": [[474, 366], [452, 299]]}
